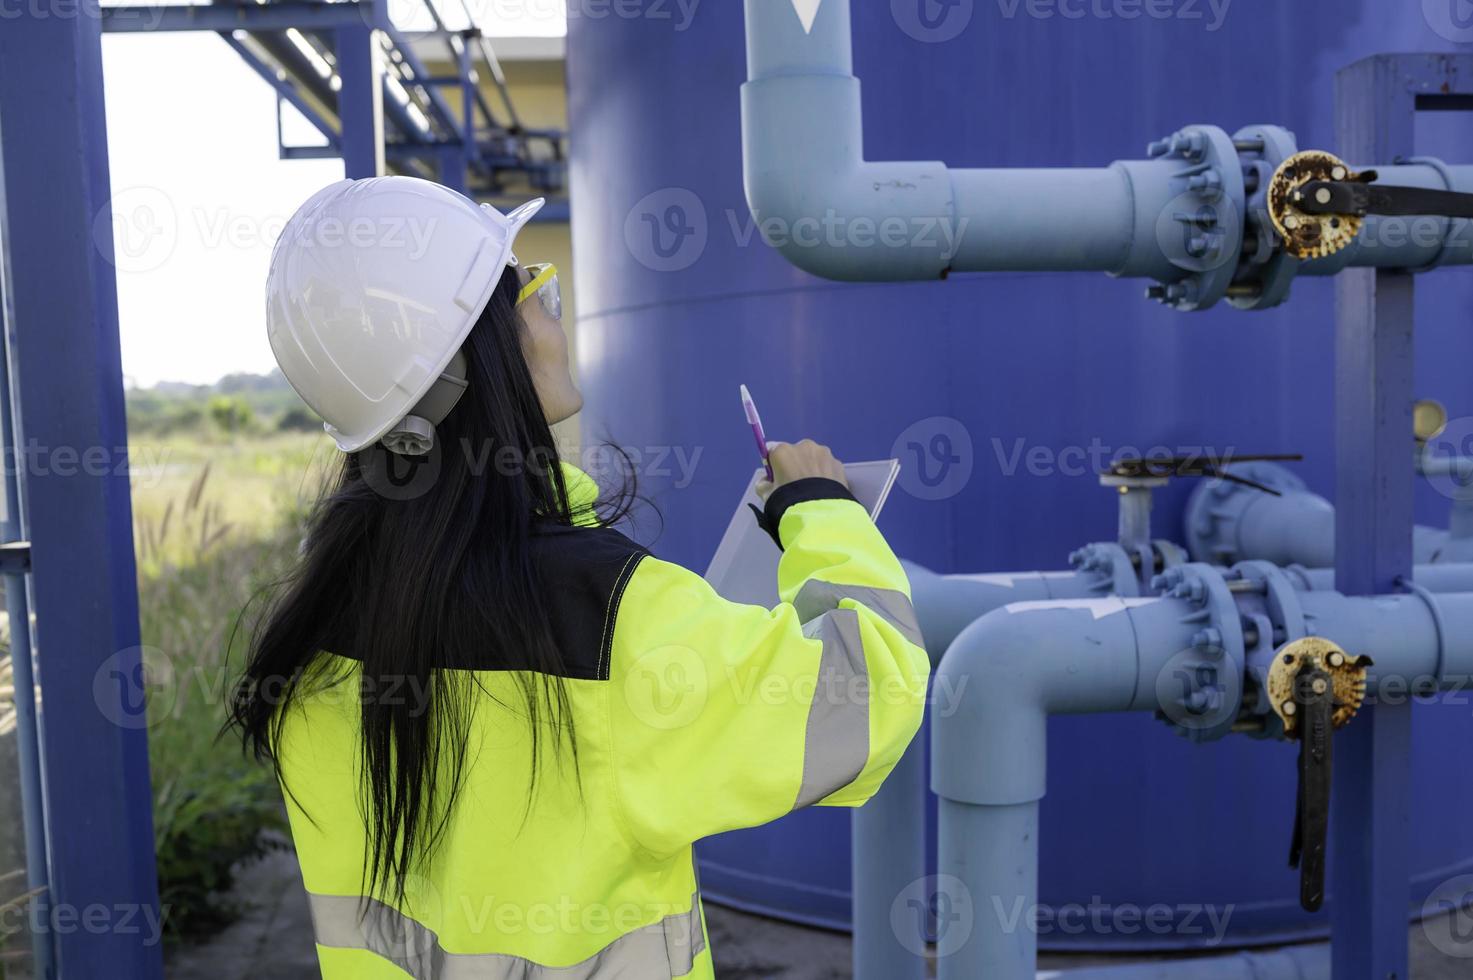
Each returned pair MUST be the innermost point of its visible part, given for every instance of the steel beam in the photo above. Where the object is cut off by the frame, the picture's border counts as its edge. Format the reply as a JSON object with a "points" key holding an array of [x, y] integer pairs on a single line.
{"points": [[360, 101], [1370, 848], [279, 15], [67, 390]]}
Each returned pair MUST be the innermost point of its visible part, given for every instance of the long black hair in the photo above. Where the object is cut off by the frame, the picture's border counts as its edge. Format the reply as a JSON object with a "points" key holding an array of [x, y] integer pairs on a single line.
{"points": [[412, 564]]}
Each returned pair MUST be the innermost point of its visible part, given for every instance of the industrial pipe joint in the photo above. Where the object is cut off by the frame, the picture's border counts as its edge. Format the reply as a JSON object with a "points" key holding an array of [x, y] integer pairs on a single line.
{"points": [[1194, 216], [1015, 666]]}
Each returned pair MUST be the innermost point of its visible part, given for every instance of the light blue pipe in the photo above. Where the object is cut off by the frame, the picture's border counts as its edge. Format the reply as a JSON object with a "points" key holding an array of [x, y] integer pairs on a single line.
{"points": [[889, 832], [836, 215], [1227, 523], [1025, 662], [1450, 577]]}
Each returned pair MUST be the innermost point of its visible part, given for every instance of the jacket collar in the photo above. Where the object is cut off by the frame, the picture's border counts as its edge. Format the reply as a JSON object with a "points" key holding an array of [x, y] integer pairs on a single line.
{"points": [[582, 494]]}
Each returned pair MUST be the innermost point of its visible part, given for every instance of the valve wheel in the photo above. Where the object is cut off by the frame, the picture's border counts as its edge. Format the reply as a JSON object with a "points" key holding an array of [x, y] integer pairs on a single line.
{"points": [[1347, 675], [1306, 235]]}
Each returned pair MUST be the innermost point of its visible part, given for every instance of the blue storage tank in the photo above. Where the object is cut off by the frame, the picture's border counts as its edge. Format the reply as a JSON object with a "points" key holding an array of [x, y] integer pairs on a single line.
{"points": [[998, 389]]}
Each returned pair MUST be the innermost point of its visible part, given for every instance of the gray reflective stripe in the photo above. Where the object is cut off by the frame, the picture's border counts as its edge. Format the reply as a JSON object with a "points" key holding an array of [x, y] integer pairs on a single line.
{"points": [[836, 741], [667, 948], [816, 598]]}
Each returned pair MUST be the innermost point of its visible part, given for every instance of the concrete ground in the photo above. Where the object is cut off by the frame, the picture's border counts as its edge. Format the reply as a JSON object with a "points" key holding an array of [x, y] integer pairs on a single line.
{"points": [[274, 939]]}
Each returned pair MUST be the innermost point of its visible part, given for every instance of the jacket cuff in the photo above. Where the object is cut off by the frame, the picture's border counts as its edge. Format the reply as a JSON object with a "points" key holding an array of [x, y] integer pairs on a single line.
{"points": [[770, 518]]}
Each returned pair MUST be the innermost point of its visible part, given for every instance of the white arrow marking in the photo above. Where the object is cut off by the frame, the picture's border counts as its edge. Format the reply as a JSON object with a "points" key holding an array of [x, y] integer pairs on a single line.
{"points": [[807, 13]]}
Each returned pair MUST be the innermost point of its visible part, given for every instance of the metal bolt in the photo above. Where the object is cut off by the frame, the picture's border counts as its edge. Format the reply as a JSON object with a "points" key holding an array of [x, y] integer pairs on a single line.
{"points": [[1319, 685], [1322, 195], [1291, 222], [1337, 659], [1289, 708], [1338, 173]]}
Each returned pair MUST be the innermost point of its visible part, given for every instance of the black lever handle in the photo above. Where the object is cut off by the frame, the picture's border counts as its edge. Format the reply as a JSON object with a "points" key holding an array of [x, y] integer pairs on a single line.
{"points": [[1361, 199], [1314, 701]]}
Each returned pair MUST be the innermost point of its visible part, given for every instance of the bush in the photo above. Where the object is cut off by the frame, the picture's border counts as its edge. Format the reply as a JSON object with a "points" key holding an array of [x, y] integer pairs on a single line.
{"points": [[213, 807]]}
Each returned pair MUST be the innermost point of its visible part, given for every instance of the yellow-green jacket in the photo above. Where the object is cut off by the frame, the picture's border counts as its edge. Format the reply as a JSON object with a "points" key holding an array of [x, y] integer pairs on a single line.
{"points": [[693, 716]]}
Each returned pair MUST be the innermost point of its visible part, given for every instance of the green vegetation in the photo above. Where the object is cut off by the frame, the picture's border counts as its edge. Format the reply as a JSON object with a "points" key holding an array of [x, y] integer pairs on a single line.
{"points": [[222, 477]]}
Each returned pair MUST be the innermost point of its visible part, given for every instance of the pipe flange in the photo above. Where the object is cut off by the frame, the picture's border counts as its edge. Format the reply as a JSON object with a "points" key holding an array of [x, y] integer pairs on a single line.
{"points": [[1114, 573], [1200, 690], [1265, 275], [1267, 596], [1200, 231], [1215, 506]]}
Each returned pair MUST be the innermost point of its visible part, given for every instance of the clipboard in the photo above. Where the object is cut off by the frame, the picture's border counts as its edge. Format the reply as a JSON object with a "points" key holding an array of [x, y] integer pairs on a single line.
{"points": [[744, 568]]}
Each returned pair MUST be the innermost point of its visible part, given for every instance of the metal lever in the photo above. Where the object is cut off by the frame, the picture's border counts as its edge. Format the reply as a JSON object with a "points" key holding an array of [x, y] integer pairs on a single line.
{"points": [[1314, 696], [1361, 198], [1315, 687]]}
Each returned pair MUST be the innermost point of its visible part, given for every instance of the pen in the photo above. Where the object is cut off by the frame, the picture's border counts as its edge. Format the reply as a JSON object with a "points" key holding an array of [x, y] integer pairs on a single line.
{"points": [[755, 420]]}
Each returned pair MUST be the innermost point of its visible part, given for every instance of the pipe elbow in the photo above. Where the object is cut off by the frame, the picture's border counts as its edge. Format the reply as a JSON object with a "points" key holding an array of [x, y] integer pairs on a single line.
{"points": [[1002, 678], [820, 205]]}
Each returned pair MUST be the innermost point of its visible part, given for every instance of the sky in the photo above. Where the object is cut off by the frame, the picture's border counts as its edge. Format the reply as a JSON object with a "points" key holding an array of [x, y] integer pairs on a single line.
{"points": [[199, 195]]}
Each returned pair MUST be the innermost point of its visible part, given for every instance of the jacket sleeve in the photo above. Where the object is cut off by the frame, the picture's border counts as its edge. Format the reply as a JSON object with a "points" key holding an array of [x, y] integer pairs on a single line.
{"points": [[726, 715]]}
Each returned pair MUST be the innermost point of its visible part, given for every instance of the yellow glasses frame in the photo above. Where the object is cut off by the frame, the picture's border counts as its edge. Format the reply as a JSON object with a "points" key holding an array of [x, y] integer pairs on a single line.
{"points": [[541, 276]]}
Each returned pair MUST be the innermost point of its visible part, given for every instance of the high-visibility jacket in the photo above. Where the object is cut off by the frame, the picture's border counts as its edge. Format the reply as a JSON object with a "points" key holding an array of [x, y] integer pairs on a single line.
{"points": [[693, 716]]}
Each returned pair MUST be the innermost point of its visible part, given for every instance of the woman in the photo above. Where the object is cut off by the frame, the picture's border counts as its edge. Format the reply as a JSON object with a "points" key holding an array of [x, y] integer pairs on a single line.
{"points": [[499, 723]]}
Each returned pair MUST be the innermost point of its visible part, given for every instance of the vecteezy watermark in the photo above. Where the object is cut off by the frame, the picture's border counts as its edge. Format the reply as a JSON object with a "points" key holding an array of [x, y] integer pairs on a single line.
{"points": [[1196, 692], [670, 686], [1016, 455], [933, 233], [932, 21], [140, 229], [96, 919], [936, 907], [1213, 13], [1100, 918], [136, 688], [396, 477], [1447, 917], [668, 230], [1451, 19], [936, 458], [137, 230]]}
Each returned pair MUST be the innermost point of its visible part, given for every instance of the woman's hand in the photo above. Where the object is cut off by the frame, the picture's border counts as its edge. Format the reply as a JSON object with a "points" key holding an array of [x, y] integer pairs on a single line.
{"points": [[800, 461]]}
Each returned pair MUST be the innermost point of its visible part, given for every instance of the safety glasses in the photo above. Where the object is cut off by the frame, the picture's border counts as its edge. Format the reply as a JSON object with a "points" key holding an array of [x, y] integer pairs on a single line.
{"points": [[545, 285]]}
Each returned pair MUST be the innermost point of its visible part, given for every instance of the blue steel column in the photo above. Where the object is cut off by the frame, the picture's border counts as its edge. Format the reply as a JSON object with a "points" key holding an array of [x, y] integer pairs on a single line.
{"points": [[361, 100], [1370, 847], [68, 395]]}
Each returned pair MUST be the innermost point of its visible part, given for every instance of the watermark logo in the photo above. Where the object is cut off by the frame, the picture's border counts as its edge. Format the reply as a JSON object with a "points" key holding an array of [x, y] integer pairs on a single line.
{"points": [[667, 231], [1450, 19], [935, 456], [1196, 694], [932, 21], [137, 230], [1197, 234], [1447, 917], [1213, 13], [1448, 459], [938, 906], [667, 687], [136, 688]]}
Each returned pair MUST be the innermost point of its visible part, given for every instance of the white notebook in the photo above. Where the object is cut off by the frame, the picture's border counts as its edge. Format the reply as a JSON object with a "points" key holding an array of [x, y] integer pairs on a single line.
{"points": [[744, 568]]}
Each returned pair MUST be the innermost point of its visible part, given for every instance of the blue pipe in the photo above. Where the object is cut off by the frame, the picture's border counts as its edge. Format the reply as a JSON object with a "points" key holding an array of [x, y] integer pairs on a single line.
{"points": [[1228, 522], [804, 171], [1015, 667]]}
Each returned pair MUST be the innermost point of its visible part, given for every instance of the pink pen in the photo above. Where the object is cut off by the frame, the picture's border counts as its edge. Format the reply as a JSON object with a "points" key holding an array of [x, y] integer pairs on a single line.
{"points": [[755, 420]]}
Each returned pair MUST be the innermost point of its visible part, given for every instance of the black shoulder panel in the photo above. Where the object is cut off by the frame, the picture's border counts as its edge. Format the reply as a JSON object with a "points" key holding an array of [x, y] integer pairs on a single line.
{"points": [[584, 573]]}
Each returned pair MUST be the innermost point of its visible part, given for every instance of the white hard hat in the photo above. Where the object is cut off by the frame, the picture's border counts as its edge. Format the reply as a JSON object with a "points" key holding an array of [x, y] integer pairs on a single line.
{"points": [[374, 286]]}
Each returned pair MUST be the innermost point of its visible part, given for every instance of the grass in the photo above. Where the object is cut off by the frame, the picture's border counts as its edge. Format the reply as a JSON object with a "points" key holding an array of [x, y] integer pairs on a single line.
{"points": [[216, 521], [217, 517]]}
